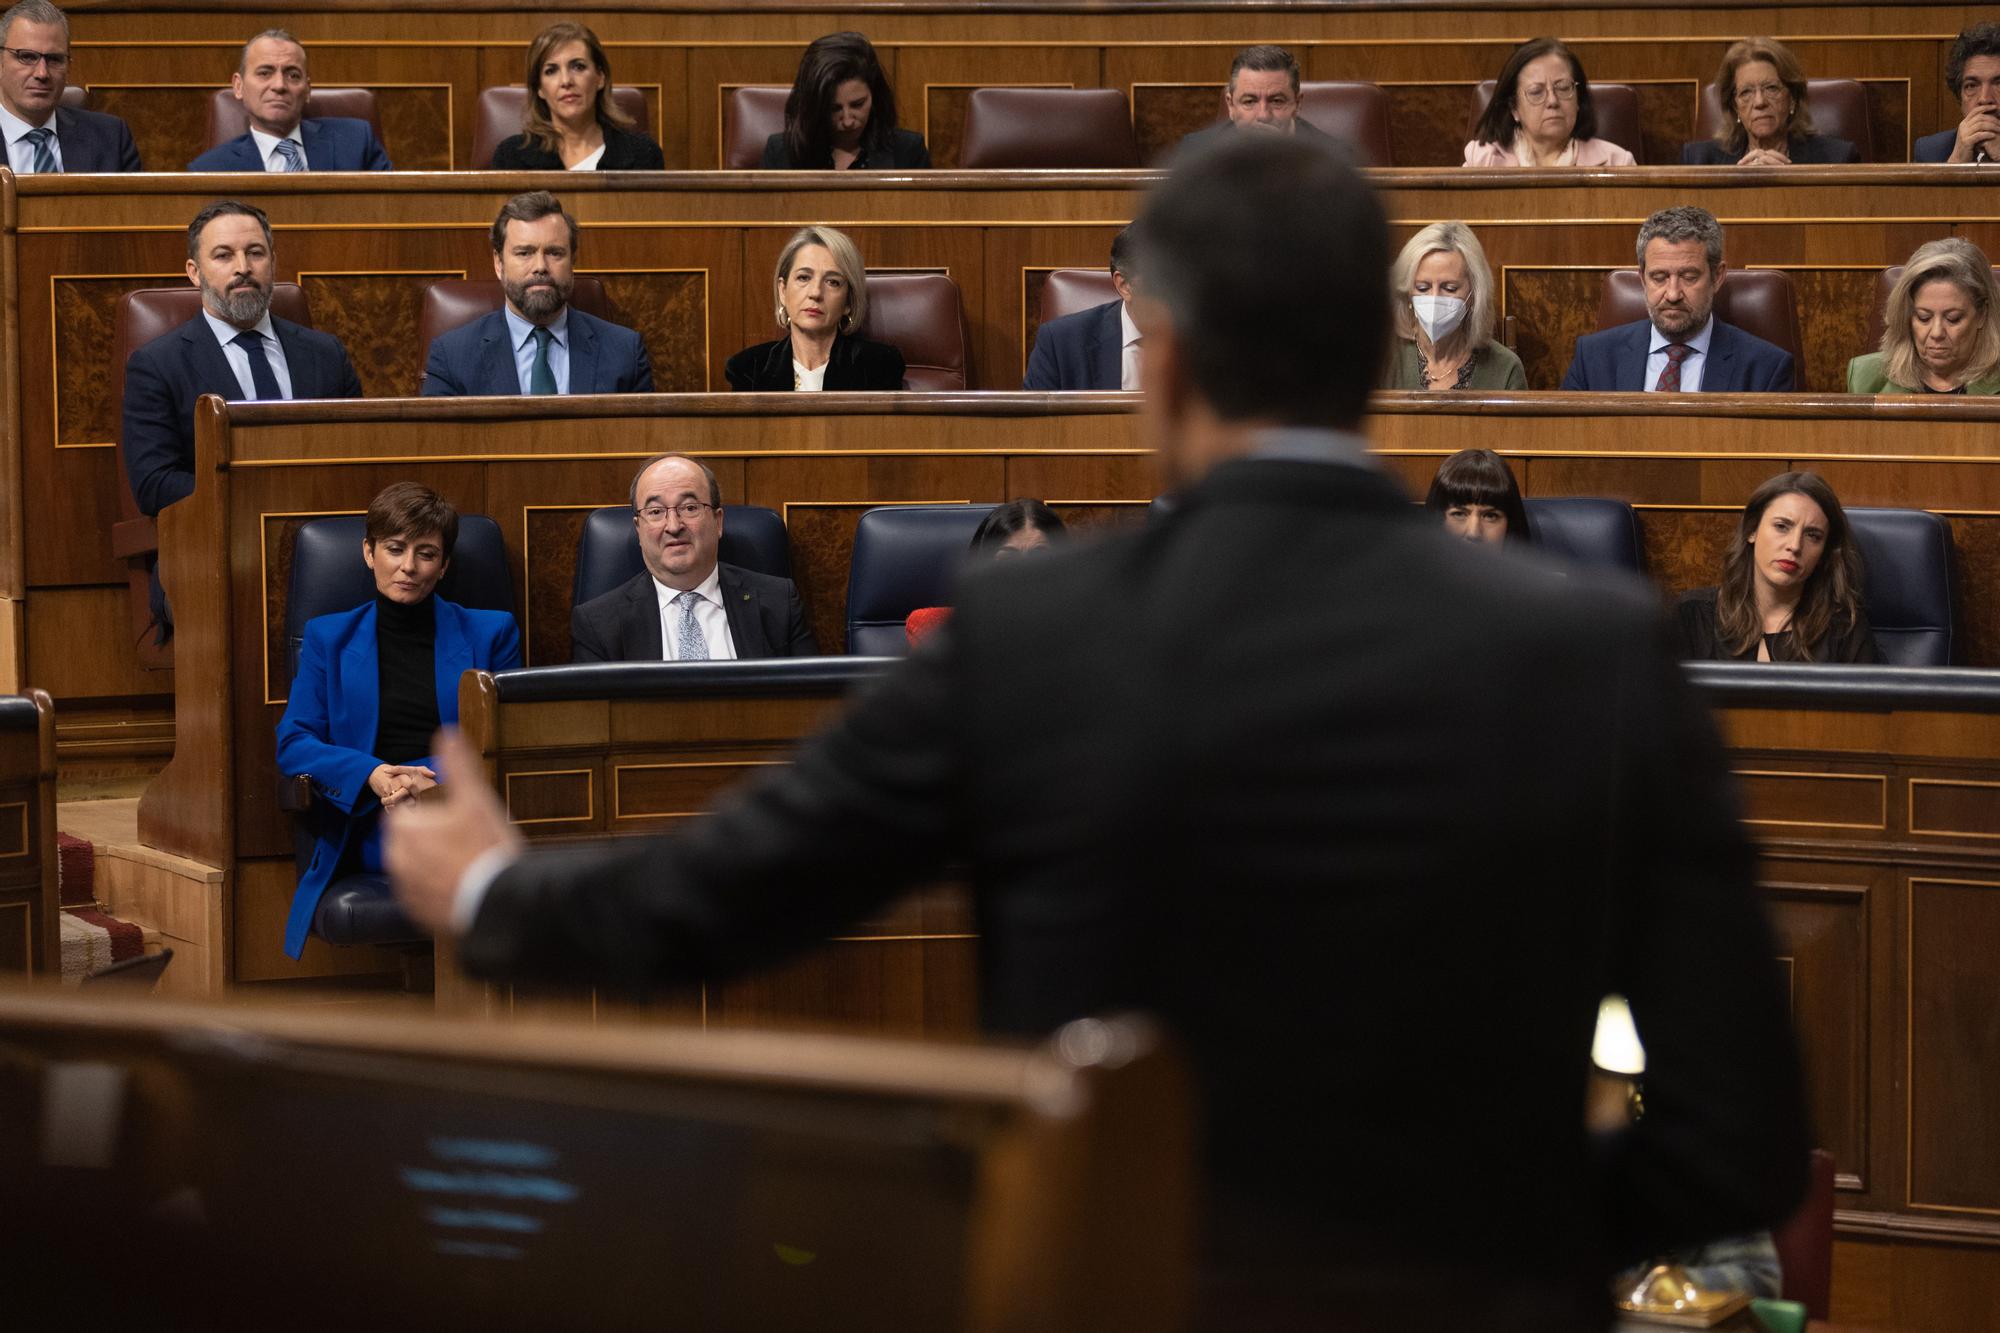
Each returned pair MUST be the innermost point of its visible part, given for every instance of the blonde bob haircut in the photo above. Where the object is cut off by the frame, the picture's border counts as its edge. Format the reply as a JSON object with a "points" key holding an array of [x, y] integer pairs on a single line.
{"points": [[1455, 238], [1962, 264], [536, 121], [846, 258], [1731, 135]]}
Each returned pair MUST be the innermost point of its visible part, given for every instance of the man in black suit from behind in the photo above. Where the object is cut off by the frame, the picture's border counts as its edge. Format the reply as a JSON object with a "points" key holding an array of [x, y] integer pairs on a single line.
{"points": [[686, 605], [1215, 768], [43, 135]]}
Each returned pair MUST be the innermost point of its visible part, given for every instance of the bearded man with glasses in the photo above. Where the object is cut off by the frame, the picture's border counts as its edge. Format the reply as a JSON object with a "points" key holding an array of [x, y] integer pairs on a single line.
{"points": [[43, 135], [687, 605]]}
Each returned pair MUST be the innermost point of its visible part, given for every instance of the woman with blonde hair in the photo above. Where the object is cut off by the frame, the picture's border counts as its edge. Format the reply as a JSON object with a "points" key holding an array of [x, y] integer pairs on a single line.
{"points": [[821, 299], [1762, 91], [1938, 333], [571, 123], [1444, 316]]}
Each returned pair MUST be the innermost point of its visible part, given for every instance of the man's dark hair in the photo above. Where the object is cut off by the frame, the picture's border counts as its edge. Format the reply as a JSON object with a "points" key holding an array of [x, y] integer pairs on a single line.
{"points": [[406, 509], [714, 486], [1981, 39], [223, 208], [1265, 60], [1122, 259], [530, 207], [1271, 256]]}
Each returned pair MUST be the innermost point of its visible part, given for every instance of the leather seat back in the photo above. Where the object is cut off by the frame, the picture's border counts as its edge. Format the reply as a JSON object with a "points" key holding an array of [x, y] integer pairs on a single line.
{"points": [[1356, 113], [1069, 291], [1617, 114], [751, 114], [905, 557], [1047, 127], [227, 119], [923, 317], [1587, 529], [1761, 301], [501, 111], [607, 552], [1907, 556]]}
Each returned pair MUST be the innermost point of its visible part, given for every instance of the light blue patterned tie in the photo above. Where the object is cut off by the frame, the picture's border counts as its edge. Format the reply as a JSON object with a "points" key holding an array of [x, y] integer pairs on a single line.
{"points": [[693, 647], [289, 152], [45, 158]]}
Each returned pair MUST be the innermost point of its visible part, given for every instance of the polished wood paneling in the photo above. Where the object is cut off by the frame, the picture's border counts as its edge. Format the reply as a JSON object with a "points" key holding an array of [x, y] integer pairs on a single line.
{"points": [[1939, 1288], [375, 316], [1954, 1079], [30, 932]]}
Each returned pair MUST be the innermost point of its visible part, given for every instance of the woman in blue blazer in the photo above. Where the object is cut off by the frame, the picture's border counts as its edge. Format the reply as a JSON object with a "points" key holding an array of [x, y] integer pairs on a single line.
{"points": [[375, 683]]}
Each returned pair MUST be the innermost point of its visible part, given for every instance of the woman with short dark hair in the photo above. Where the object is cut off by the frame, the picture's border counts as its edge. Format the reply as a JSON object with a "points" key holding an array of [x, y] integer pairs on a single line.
{"points": [[375, 683], [1476, 495], [842, 114], [1541, 115], [1791, 584]]}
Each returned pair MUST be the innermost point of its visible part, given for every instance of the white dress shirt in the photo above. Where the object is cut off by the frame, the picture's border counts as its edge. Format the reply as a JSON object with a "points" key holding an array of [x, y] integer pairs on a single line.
{"points": [[21, 156], [1691, 368], [1128, 359], [239, 360], [523, 335], [267, 148], [708, 613]]}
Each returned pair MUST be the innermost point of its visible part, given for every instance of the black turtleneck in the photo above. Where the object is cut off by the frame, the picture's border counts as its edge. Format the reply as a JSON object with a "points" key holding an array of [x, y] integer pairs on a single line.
{"points": [[406, 669]]}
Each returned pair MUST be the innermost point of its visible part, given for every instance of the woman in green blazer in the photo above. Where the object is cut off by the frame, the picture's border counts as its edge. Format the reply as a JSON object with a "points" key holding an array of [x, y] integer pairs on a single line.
{"points": [[1444, 316], [1938, 334]]}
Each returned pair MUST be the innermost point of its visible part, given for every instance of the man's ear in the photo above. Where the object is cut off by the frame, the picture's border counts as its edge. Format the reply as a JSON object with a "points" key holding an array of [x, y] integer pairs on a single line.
{"points": [[499, 270], [236, 85], [1721, 272], [1121, 286]]}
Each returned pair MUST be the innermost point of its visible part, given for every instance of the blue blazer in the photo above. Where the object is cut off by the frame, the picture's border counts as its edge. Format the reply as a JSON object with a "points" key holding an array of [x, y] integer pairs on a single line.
{"points": [[478, 359], [1935, 147], [93, 141], [163, 378], [328, 730], [1080, 351], [333, 143], [1738, 362]]}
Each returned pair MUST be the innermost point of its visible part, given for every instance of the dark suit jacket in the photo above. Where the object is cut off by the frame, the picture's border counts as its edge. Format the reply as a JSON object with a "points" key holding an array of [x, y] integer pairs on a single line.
{"points": [[1269, 838], [333, 143], [1738, 362], [624, 150], [1814, 149], [905, 151], [93, 141], [766, 619], [854, 363], [1935, 147], [1080, 351], [163, 378], [478, 358]]}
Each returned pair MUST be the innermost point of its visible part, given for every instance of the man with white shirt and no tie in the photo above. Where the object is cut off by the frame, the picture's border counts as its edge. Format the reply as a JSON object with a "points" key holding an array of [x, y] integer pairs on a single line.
{"points": [[687, 606]]}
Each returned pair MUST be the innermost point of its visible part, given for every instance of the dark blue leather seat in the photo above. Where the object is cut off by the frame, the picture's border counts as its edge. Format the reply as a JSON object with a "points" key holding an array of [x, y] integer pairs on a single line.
{"points": [[1907, 554], [328, 575], [905, 557], [607, 554], [1586, 529]]}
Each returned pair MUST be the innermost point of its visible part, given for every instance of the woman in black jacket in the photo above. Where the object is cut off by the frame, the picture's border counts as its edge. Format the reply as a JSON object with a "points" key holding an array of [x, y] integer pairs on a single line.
{"points": [[822, 297], [571, 123], [842, 113]]}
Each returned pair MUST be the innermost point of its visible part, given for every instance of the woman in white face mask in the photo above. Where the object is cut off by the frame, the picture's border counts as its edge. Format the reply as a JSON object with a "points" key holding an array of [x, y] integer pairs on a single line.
{"points": [[1444, 316]]}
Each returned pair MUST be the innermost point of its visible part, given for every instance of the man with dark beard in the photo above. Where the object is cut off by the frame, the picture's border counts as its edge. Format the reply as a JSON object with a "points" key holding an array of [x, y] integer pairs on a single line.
{"points": [[234, 348], [536, 343]]}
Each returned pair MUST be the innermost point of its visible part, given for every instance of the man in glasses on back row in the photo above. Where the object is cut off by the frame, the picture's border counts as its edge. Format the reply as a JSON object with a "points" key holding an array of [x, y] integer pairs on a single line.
{"points": [[42, 135]]}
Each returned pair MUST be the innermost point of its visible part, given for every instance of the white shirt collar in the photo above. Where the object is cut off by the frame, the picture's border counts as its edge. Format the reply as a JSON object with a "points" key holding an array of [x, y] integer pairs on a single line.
{"points": [[522, 330], [709, 589], [268, 143], [1125, 319], [14, 127], [1698, 340], [225, 332]]}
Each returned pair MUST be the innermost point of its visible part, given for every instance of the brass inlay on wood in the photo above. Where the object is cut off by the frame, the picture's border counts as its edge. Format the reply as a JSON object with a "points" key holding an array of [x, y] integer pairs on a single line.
{"points": [[1882, 797], [589, 794], [1962, 783]]}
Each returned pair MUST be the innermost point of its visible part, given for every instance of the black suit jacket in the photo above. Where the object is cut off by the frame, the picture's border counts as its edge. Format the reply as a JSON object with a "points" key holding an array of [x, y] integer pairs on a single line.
{"points": [[1216, 769], [163, 379], [766, 619], [854, 363], [1085, 350], [1814, 149], [93, 141], [624, 150], [905, 151]]}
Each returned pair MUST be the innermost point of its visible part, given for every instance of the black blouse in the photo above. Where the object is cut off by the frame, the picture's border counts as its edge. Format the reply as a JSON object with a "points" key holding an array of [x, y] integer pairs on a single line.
{"points": [[905, 151], [1700, 640], [624, 150], [406, 676], [854, 363]]}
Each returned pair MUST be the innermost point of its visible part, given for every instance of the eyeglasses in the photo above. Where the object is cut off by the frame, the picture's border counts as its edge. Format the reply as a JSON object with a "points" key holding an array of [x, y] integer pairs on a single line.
{"points": [[1770, 92], [57, 61], [1542, 96], [689, 510]]}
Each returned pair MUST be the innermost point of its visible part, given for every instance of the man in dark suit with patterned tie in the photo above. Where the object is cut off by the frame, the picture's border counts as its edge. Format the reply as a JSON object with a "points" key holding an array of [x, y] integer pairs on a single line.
{"points": [[686, 605], [537, 342], [273, 86], [43, 135]]}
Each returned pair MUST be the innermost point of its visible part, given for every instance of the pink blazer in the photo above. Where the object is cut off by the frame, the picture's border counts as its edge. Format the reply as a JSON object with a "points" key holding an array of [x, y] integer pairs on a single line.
{"points": [[1589, 153]]}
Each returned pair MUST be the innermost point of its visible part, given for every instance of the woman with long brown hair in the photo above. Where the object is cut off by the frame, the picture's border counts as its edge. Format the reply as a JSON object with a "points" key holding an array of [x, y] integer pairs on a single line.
{"points": [[571, 122], [1791, 587]]}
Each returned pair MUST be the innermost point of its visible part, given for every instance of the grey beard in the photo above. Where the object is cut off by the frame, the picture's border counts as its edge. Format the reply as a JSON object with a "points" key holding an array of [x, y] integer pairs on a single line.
{"points": [[537, 303], [243, 307]]}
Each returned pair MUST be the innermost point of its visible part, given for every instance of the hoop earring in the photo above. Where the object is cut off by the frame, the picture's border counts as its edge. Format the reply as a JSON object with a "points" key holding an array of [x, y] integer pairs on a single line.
{"points": [[784, 318], [847, 321]]}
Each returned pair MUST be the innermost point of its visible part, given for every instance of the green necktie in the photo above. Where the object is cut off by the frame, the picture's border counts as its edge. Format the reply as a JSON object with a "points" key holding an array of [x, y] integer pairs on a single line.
{"points": [[542, 379]]}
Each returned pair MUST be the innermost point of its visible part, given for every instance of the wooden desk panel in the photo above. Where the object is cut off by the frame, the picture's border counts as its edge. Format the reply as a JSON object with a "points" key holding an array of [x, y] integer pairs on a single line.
{"points": [[30, 906]]}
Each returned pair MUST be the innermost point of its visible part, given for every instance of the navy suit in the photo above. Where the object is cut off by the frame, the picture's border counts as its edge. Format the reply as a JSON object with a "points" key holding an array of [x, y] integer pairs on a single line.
{"points": [[477, 359], [766, 619], [163, 379], [1738, 362], [333, 143], [93, 141], [1080, 351], [328, 730], [1937, 147]]}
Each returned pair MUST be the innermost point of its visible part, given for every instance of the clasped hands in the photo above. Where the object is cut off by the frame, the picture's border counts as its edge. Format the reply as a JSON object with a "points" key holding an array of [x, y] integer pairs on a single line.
{"points": [[1979, 129], [428, 847], [393, 783]]}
